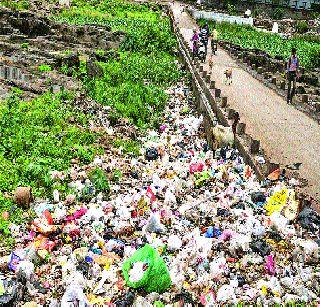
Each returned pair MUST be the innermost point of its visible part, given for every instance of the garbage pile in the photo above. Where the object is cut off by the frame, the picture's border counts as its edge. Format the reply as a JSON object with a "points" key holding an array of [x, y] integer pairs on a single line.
{"points": [[192, 227]]}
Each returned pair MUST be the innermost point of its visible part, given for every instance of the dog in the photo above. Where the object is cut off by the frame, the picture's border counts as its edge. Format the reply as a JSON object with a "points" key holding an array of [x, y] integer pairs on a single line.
{"points": [[228, 74], [210, 63], [223, 136]]}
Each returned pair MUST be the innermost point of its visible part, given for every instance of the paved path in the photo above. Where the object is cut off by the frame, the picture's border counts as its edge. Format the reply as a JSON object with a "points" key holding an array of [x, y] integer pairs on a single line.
{"points": [[286, 134]]}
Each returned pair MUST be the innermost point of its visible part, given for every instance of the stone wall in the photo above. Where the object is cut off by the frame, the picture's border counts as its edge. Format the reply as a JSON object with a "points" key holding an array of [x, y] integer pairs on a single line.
{"points": [[29, 41]]}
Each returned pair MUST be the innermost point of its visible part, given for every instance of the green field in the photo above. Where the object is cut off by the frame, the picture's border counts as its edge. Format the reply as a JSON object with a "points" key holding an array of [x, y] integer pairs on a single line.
{"points": [[273, 44]]}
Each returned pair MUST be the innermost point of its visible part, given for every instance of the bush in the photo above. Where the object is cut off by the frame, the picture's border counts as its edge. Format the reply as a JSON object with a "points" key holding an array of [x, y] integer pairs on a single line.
{"points": [[134, 84], [302, 26], [315, 7], [278, 13]]}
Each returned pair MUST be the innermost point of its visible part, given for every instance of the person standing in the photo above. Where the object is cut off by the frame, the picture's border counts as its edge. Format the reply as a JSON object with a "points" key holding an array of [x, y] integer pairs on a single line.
{"points": [[214, 40], [292, 74]]}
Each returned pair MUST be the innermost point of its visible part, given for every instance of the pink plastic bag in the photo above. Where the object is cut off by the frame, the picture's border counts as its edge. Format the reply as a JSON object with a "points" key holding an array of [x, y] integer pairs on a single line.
{"points": [[196, 167], [270, 265]]}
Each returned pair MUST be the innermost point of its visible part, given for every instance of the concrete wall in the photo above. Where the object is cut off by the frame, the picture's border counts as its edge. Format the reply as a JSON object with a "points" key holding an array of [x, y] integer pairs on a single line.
{"points": [[219, 17]]}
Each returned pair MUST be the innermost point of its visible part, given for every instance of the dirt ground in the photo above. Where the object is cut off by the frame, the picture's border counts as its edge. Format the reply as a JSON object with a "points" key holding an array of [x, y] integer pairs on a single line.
{"points": [[287, 135]]}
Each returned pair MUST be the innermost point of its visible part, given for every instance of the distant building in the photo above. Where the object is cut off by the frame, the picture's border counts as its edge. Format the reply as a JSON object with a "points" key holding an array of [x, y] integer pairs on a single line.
{"points": [[294, 4]]}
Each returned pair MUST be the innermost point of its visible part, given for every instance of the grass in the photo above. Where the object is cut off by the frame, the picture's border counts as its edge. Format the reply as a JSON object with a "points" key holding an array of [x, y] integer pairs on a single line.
{"points": [[134, 85], [36, 137], [39, 136], [16, 4]]}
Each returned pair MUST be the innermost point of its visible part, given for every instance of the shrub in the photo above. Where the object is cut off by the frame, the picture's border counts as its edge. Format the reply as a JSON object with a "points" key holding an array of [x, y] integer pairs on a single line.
{"points": [[302, 26], [278, 13]]}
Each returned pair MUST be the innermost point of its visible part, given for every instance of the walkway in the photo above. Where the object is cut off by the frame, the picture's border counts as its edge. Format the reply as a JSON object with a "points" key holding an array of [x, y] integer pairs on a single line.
{"points": [[287, 135]]}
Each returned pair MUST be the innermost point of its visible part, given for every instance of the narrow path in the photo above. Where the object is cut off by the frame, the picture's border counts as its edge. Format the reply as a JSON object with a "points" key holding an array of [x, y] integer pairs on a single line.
{"points": [[286, 134]]}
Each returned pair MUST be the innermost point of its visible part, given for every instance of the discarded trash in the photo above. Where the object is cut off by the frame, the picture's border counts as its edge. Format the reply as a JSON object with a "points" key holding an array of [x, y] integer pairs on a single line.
{"points": [[145, 269], [183, 224]]}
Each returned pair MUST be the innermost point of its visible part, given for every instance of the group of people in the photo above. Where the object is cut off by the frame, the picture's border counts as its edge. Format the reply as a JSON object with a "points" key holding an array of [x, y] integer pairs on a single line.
{"points": [[200, 42]]}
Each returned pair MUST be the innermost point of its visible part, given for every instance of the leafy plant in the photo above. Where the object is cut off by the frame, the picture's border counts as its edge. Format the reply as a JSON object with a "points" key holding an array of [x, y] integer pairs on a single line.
{"points": [[14, 216], [128, 146], [100, 181], [35, 138], [44, 68], [278, 13], [117, 175], [133, 85], [302, 26], [231, 9], [16, 4], [25, 45]]}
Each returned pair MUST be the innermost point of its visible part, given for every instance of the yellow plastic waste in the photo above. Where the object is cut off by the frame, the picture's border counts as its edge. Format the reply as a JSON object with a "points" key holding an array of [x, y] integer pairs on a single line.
{"points": [[277, 201], [264, 290], [97, 300]]}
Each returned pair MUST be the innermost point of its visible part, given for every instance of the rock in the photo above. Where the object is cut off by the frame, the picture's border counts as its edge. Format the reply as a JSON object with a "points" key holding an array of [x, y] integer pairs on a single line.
{"points": [[23, 196], [94, 70]]}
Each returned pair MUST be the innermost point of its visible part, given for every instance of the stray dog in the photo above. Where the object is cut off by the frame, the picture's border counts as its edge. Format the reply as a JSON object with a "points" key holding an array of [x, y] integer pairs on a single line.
{"points": [[228, 74], [210, 63]]}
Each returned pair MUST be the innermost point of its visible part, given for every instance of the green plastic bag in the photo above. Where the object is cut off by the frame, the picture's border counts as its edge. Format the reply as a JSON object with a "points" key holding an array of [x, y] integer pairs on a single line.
{"points": [[155, 278]]}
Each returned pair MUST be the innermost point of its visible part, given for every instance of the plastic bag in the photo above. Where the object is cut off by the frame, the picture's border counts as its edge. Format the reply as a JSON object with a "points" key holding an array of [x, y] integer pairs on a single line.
{"points": [[152, 154], [277, 201], [260, 247], [74, 295], [309, 219], [25, 270], [154, 224], [196, 167], [12, 292], [14, 261], [154, 276], [270, 265]]}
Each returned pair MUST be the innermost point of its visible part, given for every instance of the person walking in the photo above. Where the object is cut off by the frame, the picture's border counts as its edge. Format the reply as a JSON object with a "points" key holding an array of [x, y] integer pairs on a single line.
{"points": [[214, 40], [292, 74], [204, 35], [195, 43]]}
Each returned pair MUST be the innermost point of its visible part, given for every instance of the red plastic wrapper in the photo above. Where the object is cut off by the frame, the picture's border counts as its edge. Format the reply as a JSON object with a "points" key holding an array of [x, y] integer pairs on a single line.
{"points": [[47, 215], [196, 167]]}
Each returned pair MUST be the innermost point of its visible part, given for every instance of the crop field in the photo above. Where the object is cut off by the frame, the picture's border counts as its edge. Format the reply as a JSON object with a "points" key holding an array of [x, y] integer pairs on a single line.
{"points": [[273, 44]]}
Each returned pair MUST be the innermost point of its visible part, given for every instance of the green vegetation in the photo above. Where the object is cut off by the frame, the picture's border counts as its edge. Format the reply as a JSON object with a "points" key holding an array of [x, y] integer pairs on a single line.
{"points": [[25, 45], [100, 181], [16, 4], [39, 136], [278, 13], [273, 44], [128, 146], [44, 68], [134, 84], [36, 137], [15, 216], [312, 38]]}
